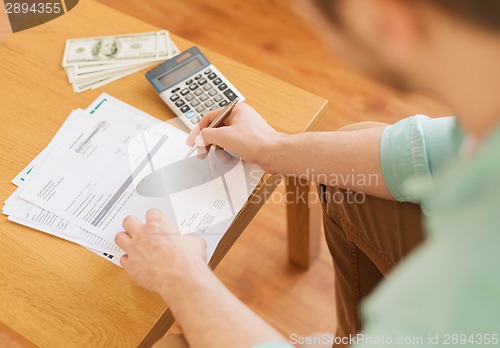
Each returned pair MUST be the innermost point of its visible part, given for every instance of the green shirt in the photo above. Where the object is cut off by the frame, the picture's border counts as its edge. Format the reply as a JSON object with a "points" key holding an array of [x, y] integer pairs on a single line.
{"points": [[447, 292]]}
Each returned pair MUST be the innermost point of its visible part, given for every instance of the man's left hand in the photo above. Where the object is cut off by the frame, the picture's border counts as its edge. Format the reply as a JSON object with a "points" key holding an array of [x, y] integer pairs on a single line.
{"points": [[156, 252]]}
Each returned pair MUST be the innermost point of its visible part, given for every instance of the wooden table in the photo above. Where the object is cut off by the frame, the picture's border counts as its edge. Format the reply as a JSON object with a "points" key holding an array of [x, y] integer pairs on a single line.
{"points": [[54, 293]]}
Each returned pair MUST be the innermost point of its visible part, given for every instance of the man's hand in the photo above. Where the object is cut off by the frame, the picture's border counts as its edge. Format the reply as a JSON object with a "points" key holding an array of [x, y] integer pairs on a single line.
{"points": [[156, 252], [162, 260], [330, 158], [244, 132]]}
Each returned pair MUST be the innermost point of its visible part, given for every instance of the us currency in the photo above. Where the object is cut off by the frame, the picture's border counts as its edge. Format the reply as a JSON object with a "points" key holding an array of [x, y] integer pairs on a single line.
{"points": [[87, 71], [79, 72], [80, 76], [103, 80], [166, 49], [113, 49]]}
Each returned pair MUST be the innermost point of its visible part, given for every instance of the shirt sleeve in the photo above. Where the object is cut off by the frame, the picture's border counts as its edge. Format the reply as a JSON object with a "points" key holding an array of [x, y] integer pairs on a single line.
{"points": [[274, 344], [415, 147]]}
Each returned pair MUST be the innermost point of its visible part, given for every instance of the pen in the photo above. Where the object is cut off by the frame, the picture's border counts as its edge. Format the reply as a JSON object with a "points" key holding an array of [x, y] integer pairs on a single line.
{"points": [[217, 121]]}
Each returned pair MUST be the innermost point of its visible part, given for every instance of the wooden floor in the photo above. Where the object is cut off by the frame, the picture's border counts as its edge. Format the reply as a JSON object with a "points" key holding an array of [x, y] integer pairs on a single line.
{"points": [[267, 35]]}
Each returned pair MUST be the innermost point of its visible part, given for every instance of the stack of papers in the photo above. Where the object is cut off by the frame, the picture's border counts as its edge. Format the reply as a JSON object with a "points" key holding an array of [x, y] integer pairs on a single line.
{"points": [[113, 160], [96, 61]]}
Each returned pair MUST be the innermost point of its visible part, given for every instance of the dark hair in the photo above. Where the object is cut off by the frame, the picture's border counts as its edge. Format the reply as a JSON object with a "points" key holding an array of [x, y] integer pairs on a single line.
{"points": [[483, 13]]}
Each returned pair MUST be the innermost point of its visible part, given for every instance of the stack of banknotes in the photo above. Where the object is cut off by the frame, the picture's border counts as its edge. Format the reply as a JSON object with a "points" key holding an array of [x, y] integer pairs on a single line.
{"points": [[96, 61]]}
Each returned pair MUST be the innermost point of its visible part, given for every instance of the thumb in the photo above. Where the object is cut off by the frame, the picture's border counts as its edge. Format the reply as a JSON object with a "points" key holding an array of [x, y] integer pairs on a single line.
{"points": [[214, 136]]}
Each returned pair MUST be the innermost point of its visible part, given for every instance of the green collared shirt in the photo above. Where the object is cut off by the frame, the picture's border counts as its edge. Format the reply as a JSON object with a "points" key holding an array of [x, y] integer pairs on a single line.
{"points": [[447, 292]]}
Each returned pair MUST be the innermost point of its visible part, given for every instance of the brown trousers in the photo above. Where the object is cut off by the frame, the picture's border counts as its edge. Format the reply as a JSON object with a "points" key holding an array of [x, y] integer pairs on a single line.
{"points": [[366, 241]]}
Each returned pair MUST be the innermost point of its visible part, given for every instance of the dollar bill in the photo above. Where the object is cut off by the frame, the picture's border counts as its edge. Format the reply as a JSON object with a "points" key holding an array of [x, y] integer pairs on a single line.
{"points": [[118, 56], [80, 75], [164, 54], [119, 48], [80, 78], [103, 80]]}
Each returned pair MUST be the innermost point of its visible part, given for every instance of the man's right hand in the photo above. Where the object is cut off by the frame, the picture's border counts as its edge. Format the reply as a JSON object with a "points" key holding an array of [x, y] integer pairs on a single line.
{"points": [[244, 131]]}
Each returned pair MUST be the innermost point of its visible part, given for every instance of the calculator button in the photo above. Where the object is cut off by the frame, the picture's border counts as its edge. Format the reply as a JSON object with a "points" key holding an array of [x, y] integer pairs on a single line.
{"points": [[185, 108], [218, 98], [212, 92], [230, 95], [204, 97], [217, 81], [215, 107], [208, 71], [195, 102], [193, 86], [223, 87], [176, 90], [190, 81], [174, 97], [185, 91], [194, 120], [204, 113], [197, 77], [209, 103], [223, 103], [198, 92], [190, 97], [202, 82], [212, 76], [207, 87], [179, 103], [190, 114], [200, 108]]}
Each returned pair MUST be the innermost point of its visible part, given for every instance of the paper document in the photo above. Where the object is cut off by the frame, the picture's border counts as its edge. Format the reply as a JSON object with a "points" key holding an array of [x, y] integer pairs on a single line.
{"points": [[112, 160]]}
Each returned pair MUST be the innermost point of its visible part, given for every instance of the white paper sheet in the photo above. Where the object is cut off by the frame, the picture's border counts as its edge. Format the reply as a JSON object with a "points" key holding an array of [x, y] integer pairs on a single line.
{"points": [[93, 175], [25, 213]]}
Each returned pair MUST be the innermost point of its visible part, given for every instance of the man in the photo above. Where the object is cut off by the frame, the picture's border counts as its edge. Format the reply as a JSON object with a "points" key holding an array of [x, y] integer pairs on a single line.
{"points": [[447, 291]]}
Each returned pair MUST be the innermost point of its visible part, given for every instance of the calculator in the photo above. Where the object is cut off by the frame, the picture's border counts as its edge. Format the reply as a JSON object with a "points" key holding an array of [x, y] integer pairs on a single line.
{"points": [[191, 86]]}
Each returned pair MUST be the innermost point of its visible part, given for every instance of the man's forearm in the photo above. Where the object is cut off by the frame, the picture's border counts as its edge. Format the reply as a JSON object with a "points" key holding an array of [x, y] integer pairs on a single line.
{"points": [[350, 159], [210, 315]]}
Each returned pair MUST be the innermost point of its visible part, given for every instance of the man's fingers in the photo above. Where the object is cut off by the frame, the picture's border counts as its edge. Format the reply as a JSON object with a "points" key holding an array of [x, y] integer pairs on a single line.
{"points": [[215, 136], [124, 261], [192, 135], [209, 137], [155, 216], [202, 152], [161, 224], [123, 240], [208, 118], [131, 224], [204, 123]]}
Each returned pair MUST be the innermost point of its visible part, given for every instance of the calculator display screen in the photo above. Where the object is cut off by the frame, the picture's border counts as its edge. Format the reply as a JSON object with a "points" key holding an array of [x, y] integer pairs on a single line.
{"points": [[181, 73]]}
